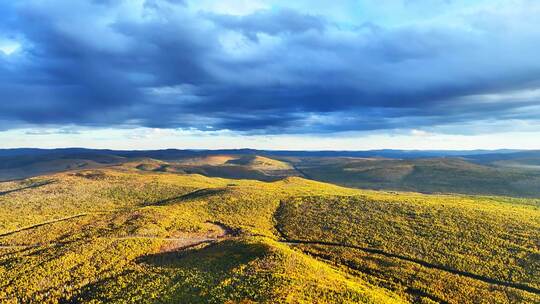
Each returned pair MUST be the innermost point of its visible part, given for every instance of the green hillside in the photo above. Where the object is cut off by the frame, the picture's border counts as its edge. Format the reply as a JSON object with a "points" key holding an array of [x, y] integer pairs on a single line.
{"points": [[126, 235]]}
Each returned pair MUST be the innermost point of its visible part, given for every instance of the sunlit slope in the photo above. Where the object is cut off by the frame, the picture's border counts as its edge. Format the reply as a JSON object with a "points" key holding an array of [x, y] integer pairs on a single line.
{"points": [[455, 249], [233, 271], [124, 235], [118, 237], [252, 161], [213, 160], [260, 163], [53, 197], [225, 166]]}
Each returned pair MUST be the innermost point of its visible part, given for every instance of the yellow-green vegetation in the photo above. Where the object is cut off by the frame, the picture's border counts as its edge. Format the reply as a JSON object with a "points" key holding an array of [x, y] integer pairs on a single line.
{"points": [[412, 241], [126, 235]]}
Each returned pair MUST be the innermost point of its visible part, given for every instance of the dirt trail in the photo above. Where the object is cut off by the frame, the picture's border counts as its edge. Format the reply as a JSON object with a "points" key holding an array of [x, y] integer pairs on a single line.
{"points": [[173, 243], [16, 246], [218, 232], [203, 192], [36, 185], [43, 224], [30, 245]]}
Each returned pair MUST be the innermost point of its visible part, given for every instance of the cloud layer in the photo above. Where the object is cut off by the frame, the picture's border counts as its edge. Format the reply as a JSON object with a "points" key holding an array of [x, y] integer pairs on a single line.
{"points": [[269, 67]]}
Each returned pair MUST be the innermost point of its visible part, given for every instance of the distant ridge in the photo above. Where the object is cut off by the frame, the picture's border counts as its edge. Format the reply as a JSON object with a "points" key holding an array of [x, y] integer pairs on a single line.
{"points": [[174, 153], [486, 172]]}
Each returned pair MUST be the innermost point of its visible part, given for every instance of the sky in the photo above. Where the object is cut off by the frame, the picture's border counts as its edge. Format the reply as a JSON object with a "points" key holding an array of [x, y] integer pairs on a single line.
{"points": [[314, 75]]}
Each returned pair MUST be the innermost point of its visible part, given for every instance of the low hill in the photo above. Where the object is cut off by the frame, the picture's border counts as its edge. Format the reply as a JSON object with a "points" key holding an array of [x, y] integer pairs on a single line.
{"points": [[226, 166], [212, 160], [504, 172], [260, 163]]}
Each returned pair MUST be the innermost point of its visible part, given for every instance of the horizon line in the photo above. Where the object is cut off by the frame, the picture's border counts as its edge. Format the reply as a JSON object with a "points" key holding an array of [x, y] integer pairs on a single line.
{"points": [[277, 150]]}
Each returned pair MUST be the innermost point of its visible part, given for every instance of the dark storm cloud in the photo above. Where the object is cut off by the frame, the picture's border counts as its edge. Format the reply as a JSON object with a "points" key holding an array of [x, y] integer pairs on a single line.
{"points": [[270, 22], [162, 64]]}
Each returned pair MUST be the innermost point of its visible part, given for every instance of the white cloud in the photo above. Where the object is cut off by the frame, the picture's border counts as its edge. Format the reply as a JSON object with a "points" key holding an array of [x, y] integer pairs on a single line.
{"points": [[229, 7], [9, 47], [150, 138], [416, 132]]}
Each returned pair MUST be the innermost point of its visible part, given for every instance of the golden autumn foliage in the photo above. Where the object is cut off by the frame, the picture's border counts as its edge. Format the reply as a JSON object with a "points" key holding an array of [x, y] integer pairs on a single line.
{"points": [[119, 235]]}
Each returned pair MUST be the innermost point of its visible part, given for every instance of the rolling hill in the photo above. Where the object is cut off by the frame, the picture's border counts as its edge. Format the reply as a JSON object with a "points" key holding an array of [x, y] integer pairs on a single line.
{"points": [[433, 175], [125, 235], [506, 172]]}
